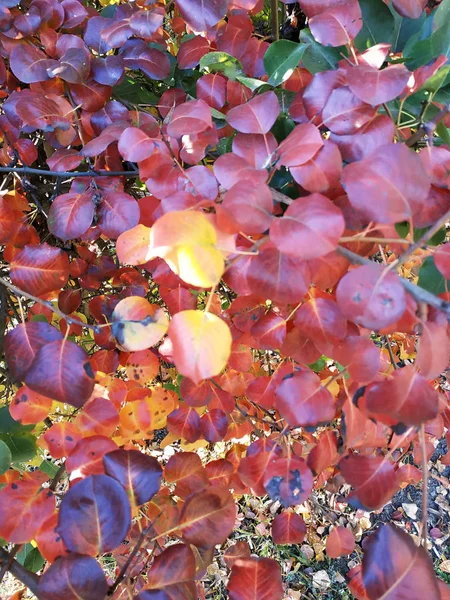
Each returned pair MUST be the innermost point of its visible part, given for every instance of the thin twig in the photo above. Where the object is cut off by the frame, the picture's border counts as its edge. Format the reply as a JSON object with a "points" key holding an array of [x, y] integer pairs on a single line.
{"points": [[422, 241], [274, 19], [387, 343], [120, 577], [423, 448], [69, 320]]}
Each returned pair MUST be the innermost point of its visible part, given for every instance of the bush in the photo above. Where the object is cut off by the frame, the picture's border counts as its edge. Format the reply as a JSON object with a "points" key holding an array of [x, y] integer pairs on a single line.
{"points": [[224, 273]]}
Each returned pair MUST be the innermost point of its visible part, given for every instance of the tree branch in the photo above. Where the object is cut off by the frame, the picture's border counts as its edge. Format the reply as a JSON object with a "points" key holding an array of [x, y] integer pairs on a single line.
{"points": [[428, 127], [48, 173], [69, 320], [26, 577], [418, 293]]}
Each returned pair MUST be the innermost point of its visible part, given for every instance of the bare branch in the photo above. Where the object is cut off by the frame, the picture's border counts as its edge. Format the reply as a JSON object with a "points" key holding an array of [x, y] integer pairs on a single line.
{"points": [[26, 577]]}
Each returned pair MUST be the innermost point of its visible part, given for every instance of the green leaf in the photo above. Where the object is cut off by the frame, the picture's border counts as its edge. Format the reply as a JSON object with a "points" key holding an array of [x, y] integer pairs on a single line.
{"points": [[378, 24], [431, 279], [435, 240], [281, 59], [9, 425], [443, 132], [424, 51], [282, 127], [316, 57], [30, 558], [223, 63], [404, 29], [251, 83], [441, 15], [48, 468], [319, 365], [22, 446], [134, 92], [225, 145], [5, 457]]}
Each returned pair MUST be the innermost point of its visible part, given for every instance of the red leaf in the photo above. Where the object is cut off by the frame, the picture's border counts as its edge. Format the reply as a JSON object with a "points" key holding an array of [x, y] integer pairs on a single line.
{"points": [[135, 145], [7, 221], [321, 320], [118, 212], [321, 173], [406, 573], [360, 356], [94, 516], [184, 422], [378, 132], [337, 26], [376, 87], [61, 438], [28, 407], [29, 64], [139, 474], [173, 566], [442, 260], [23, 343], [340, 542], [406, 398], [214, 425], [98, 417], [235, 552], [344, 113], [71, 215], [24, 505], [310, 227], [200, 16], [247, 210], [72, 578], [370, 297], [373, 477], [288, 528], [191, 51], [389, 186], [288, 480], [61, 370], [40, 269], [256, 149], [269, 331], [255, 116], [212, 89], [412, 9], [324, 454], [86, 458], [64, 159], [193, 117], [284, 279], [255, 579], [186, 471], [300, 146], [151, 61], [303, 402], [144, 23], [208, 517], [433, 349]]}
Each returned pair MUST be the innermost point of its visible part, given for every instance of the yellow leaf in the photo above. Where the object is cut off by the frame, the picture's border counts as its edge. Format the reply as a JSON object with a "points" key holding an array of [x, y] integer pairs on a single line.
{"points": [[201, 344], [187, 240]]}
